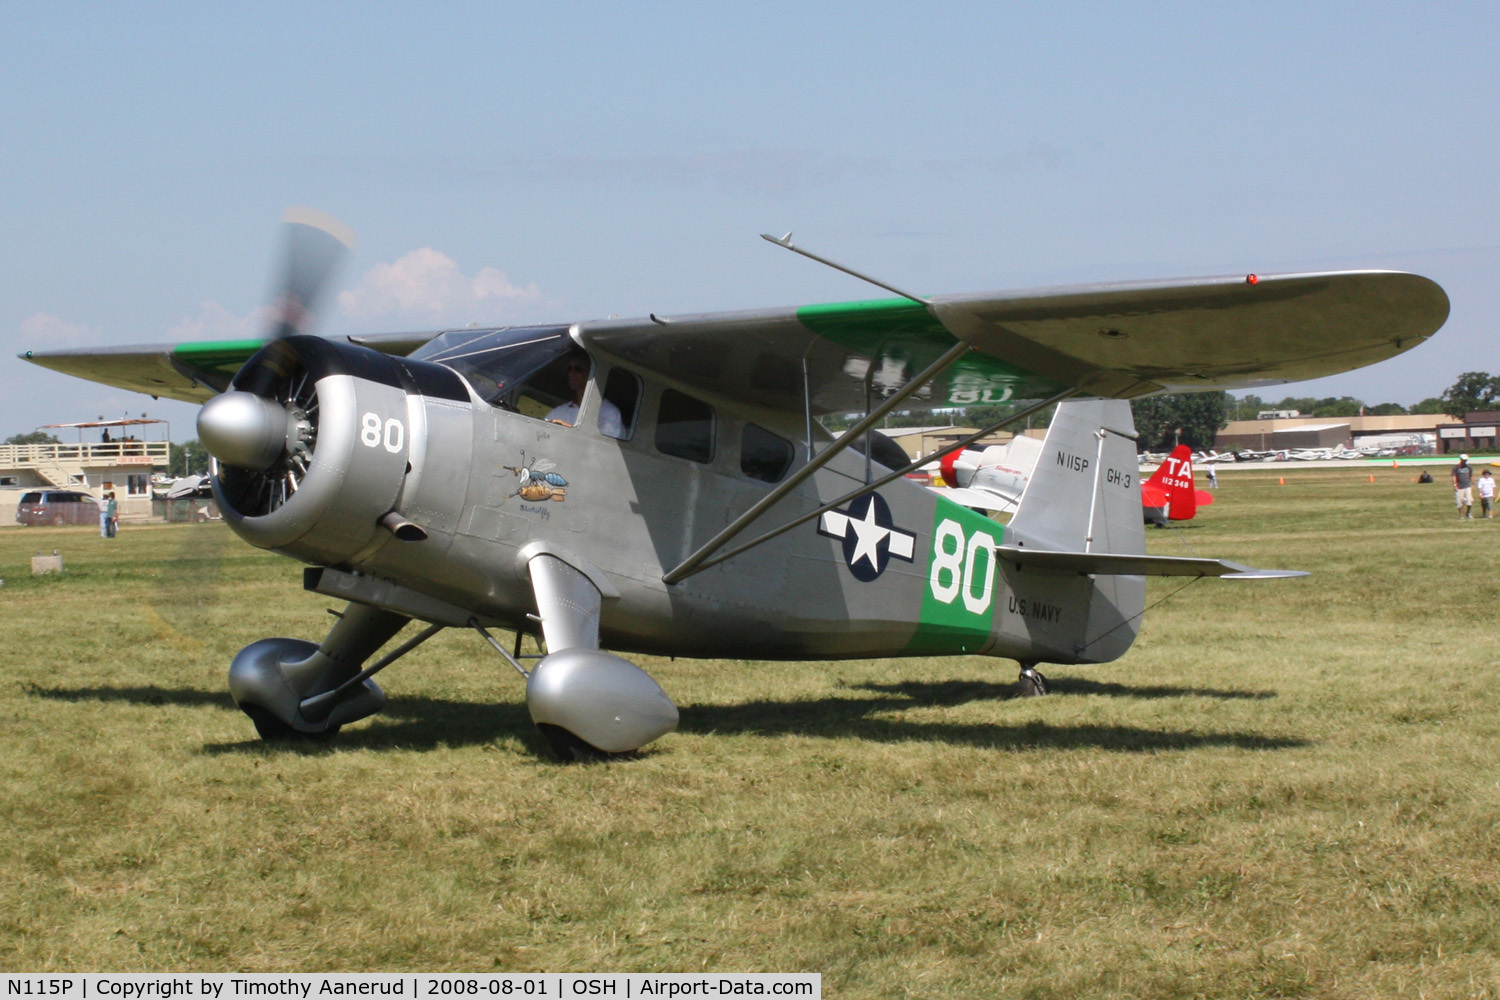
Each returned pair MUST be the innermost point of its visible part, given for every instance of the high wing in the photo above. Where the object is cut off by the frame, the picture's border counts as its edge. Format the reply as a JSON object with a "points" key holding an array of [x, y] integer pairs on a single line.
{"points": [[193, 372], [1115, 340]]}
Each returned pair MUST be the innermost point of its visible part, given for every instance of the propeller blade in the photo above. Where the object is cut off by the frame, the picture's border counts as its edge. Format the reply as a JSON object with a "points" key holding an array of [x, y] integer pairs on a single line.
{"points": [[315, 244]]}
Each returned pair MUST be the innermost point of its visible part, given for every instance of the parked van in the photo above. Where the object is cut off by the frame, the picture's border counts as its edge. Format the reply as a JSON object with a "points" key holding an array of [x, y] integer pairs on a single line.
{"points": [[57, 507]]}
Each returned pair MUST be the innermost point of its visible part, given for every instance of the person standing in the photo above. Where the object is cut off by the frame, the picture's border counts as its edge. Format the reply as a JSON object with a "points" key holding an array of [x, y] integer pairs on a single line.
{"points": [[1487, 493], [1463, 488], [111, 514]]}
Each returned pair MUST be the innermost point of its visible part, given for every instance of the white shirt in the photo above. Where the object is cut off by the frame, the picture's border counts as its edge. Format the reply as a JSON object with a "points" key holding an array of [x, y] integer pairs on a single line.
{"points": [[610, 424]]}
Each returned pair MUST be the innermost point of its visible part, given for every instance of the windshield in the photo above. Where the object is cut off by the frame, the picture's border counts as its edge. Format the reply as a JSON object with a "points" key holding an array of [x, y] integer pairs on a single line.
{"points": [[518, 368]]}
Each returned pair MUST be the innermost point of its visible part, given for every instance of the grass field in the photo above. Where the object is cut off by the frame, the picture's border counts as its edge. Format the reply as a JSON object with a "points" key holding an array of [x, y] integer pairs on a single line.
{"points": [[1286, 789]]}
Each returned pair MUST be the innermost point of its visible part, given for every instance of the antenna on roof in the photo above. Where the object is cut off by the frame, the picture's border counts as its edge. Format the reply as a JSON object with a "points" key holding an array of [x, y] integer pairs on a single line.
{"points": [[786, 243]]}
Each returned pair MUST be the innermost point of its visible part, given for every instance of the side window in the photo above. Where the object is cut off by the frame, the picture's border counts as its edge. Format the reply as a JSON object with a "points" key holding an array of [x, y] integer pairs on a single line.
{"points": [[621, 404], [685, 427], [763, 455]]}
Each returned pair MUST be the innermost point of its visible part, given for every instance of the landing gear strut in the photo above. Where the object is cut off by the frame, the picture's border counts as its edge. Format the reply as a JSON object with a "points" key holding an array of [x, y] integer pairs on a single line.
{"points": [[293, 689], [1031, 683]]}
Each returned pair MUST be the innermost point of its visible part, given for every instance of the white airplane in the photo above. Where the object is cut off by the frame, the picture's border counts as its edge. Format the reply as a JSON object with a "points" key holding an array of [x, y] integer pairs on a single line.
{"points": [[992, 479]]}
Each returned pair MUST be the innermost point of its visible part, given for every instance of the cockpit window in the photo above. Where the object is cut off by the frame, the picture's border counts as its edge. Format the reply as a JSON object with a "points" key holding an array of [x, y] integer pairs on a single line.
{"points": [[522, 368]]}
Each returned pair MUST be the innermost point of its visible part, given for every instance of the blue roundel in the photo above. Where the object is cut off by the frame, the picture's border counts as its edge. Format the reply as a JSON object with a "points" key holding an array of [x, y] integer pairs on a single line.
{"points": [[869, 536]]}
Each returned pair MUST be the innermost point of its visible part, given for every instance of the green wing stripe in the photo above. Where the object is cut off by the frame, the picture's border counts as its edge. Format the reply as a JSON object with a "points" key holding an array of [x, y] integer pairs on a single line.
{"points": [[899, 335], [217, 360], [214, 353]]}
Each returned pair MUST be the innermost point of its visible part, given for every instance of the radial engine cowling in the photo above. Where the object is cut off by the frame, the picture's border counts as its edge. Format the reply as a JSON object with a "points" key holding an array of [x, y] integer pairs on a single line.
{"points": [[315, 440]]}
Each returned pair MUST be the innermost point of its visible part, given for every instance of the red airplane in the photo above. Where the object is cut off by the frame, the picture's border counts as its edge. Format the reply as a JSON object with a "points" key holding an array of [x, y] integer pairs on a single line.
{"points": [[1169, 495]]}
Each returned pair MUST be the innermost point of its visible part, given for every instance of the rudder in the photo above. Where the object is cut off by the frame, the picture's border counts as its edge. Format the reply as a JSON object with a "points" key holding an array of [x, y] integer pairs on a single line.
{"points": [[1084, 494], [1084, 497]]}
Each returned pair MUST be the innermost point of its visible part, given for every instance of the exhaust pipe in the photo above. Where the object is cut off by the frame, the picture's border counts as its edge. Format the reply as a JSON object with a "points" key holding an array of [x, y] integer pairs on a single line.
{"points": [[404, 530]]}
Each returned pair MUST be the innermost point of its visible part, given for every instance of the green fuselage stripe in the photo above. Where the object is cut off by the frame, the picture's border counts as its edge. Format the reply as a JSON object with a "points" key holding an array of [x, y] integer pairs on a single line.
{"points": [[962, 591]]}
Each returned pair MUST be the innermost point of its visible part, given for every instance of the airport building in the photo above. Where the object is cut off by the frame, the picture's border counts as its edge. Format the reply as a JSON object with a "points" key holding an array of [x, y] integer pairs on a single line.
{"points": [[115, 459], [1477, 433], [1417, 433]]}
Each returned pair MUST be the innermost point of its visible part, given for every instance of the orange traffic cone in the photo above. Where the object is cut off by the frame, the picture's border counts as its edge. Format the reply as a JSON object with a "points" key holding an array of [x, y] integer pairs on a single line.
{"points": [[1281, 481]]}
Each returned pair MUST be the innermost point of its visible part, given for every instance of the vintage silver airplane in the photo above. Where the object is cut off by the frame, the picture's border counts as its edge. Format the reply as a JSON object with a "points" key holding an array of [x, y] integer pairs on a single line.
{"points": [[590, 482]]}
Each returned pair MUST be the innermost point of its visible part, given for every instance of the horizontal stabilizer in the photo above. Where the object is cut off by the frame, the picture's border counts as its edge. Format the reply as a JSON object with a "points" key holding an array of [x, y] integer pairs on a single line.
{"points": [[977, 499], [1116, 564]]}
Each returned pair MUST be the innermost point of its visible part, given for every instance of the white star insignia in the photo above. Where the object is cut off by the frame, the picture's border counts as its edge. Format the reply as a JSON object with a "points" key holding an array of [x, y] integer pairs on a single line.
{"points": [[868, 534]]}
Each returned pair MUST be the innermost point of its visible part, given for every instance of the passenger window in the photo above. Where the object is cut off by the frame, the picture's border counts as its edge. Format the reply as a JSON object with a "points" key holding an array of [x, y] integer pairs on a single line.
{"points": [[763, 455], [621, 404], [685, 427]]}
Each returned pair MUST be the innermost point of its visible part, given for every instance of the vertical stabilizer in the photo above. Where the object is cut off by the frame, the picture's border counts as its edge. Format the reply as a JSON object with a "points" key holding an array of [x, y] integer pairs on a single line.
{"points": [[1084, 495], [1171, 492]]}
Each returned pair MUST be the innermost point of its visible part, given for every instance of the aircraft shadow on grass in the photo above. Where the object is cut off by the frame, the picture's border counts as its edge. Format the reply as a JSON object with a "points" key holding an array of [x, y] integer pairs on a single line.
{"points": [[426, 723], [418, 723], [869, 719], [957, 692]]}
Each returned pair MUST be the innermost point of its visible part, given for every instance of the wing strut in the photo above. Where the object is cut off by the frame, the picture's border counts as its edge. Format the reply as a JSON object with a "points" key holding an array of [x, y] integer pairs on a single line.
{"points": [[786, 243], [693, 562], [701, 560]]}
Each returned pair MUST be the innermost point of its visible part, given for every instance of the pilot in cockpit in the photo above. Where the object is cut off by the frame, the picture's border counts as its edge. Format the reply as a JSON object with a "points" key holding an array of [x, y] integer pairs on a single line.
{"points": [[610, 424]]}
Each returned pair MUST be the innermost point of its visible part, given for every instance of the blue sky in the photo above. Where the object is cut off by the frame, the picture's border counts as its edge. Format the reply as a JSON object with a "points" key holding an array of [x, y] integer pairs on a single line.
{"points": [[564, 161]]}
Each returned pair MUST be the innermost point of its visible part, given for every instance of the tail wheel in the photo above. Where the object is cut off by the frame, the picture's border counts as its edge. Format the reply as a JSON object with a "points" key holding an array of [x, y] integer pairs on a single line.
{"points": [[1032, 683]]}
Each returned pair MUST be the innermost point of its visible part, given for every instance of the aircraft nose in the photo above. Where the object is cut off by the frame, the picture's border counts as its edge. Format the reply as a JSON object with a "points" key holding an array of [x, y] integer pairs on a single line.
{"points": [[243, 430]]}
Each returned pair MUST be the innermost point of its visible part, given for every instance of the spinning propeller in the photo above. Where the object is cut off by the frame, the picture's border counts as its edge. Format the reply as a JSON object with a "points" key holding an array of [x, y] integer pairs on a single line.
{"points": [[264, 428]]}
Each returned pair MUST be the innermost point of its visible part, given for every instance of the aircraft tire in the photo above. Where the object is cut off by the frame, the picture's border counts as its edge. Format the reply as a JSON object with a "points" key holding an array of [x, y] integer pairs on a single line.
{"points": [[273, 730], [570, 749]]}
